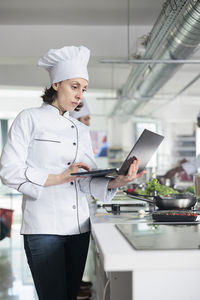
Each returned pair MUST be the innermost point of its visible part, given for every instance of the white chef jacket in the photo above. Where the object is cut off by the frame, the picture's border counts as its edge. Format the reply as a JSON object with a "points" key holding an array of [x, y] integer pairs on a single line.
{"points": [[42, 142], [190, 167]]}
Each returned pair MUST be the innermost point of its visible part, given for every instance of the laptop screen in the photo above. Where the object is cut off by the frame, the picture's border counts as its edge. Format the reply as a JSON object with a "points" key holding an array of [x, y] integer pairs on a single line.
{"points": [[143, 150]]}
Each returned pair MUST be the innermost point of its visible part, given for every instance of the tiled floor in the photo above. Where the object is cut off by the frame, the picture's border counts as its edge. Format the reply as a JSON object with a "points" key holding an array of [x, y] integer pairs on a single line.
{"points": [[15, 278]]}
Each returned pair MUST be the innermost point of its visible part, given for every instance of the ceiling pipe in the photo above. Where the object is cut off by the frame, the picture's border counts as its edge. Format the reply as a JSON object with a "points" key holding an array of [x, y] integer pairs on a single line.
{"points": [[181, 42], [175, 35], [179, 93], [150, 61]]}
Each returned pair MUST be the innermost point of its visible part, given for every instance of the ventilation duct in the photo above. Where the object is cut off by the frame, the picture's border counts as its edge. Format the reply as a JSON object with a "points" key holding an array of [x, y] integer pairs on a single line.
{"points": [[175, 35]]}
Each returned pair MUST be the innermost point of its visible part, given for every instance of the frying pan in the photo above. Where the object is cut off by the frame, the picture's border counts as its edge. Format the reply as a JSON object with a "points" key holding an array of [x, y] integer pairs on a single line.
{"points": [[174, 201]]}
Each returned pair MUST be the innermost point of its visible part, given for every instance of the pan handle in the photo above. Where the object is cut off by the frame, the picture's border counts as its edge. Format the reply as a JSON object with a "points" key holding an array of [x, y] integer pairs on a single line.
{"points": [[141, 198]]}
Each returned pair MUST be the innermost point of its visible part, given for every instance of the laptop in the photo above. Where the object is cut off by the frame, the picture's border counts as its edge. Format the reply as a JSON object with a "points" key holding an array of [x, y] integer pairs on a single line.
{"points": [[144, 148]]}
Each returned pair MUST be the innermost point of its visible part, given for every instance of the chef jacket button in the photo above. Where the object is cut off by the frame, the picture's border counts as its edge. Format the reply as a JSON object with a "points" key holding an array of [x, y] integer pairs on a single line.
{"points": [[74, 206], [74, 143], [68, 163], [71, 183], [72, 126]]}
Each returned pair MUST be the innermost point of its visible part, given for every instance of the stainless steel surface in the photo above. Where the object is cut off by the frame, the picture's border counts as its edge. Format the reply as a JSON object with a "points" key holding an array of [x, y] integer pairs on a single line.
{"points": [[150, 61], [196, 178], [174, 35], [101, 215], [179, 41], [175, 203], [123, 209], [169, 203]]}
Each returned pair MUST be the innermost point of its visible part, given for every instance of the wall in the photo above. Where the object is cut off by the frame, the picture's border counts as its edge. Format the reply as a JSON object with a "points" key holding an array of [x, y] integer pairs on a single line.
{"points": [[21, 47], [13, 100]]}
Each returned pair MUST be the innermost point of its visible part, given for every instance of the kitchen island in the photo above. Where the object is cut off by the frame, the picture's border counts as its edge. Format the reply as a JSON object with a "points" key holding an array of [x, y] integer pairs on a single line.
{"points": [[126, 273]]}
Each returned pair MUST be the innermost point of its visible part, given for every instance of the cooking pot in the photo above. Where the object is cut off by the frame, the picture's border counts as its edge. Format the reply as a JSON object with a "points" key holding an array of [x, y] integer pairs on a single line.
{"points": [[174, 201]]}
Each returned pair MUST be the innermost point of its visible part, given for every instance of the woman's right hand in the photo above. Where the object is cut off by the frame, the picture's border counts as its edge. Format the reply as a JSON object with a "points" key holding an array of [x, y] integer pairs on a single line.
{"points": [[66, 176], [123, 180]]}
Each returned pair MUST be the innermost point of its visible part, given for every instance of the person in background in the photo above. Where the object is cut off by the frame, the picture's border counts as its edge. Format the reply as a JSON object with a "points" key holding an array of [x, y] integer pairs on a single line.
{"points": [[44, 146], [189, 167], [103, 149], [83, 114]]}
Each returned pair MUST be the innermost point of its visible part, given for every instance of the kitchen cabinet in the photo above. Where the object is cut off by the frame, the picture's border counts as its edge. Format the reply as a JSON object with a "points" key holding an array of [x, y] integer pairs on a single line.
{"points": [[111, 285], [184, 147]]}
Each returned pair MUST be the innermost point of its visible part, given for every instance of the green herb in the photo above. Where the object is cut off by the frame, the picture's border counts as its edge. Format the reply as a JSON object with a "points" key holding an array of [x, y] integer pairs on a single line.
{"points": [[190, 189], [153, 186], [139, 192]]}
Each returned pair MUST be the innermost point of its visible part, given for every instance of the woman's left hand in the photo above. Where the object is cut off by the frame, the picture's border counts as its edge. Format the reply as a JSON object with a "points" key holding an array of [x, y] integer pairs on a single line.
{"points": [[123, 180]]}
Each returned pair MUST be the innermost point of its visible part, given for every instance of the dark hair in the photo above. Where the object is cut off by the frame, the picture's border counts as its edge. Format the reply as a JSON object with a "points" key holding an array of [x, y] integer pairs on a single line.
{"points": [[49, 96]]}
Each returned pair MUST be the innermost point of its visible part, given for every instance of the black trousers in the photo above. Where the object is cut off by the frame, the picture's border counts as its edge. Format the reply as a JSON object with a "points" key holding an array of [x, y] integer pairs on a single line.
{"points": [[57, 264]]}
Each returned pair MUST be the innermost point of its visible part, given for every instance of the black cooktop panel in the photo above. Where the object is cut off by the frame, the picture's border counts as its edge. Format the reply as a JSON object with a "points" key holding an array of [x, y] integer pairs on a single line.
{"points": [[143, 236]]}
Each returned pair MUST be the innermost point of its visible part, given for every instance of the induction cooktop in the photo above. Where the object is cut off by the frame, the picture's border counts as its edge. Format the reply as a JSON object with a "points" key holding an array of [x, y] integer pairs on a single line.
{"points": [[144, 236]]}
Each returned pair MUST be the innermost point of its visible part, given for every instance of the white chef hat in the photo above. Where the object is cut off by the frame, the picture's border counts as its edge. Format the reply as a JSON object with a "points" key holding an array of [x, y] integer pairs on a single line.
{"points": [[65, 63], [84, 111]]}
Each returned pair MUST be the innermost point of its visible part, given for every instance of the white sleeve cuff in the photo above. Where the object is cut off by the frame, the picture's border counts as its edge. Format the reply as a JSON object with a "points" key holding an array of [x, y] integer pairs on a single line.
{"points": [[189, 168], [192, 166], [31, 190], [36, 176], [99, 189]]}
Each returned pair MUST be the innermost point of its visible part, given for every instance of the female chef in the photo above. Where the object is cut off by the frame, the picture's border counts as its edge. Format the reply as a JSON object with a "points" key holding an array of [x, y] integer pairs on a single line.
{"points": [[44, 146]]}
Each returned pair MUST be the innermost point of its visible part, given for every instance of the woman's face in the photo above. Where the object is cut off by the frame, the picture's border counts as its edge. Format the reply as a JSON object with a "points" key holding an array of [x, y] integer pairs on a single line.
{"points": [[69, 93]]}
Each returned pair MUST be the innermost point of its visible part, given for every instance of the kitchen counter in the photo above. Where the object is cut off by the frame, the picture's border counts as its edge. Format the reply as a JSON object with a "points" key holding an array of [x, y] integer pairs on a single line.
{"points": [[104, 230], [129, 270]]}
